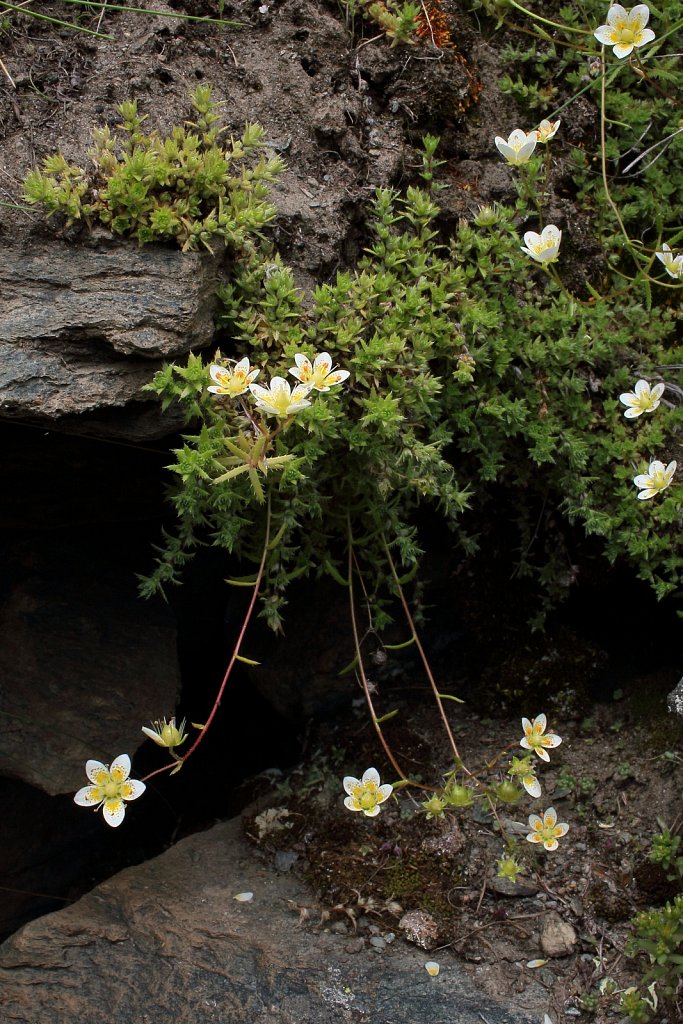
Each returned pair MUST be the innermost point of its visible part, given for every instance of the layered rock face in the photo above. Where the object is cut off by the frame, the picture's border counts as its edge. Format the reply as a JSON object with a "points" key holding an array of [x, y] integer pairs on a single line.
{"points": [[167, 941]]}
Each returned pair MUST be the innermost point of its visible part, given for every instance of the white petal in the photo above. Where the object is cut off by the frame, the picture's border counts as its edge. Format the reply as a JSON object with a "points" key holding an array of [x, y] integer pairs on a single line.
{"points": [[350, 784], [244, 897], [551, 740], [640, 14], [550, 844], [151, 733], [114, 812], [371, 775], [671, 468], [535, 822], [657, 467], [562, 829], [532, 785], [432, 968], [649, 493], [218, 373], [243, 365], [542, 754], [526, 726], [540, 722], [621, 50], [550, 817], [373, 813], [121, 766], [384, 792], [617, 13], [278, 385], [632, 414], [303, 362], [606, 35], [658, 391], [319, 360], [263, 394], [93, 768], [351, 804], [87, 796], [132, 789]]}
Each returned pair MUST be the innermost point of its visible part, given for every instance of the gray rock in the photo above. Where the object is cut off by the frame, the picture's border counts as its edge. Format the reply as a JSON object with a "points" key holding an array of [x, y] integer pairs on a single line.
{"points": [[166, 941], [558, 938], [80, 670], [84, 325]]}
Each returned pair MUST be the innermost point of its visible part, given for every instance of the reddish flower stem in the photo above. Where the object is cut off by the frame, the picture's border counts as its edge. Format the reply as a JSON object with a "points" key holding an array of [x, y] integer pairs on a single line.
{"points": [[233, 659]]}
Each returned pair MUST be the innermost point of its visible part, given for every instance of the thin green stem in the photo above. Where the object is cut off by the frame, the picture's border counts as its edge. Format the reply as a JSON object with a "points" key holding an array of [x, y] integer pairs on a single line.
{"points": [[546, 21], [55, 21], [147, 10]]}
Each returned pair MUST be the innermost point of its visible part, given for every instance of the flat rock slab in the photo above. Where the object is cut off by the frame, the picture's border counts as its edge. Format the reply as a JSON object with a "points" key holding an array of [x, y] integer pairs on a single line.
{"points": [[83, 325], [166, 941]]}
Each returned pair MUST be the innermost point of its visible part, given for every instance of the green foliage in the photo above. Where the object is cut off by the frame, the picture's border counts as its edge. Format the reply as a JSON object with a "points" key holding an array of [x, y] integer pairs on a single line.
{"points": [[397, 20], [190, 187], [665, 847], [469, 379], [644, 159], [658, 934]]}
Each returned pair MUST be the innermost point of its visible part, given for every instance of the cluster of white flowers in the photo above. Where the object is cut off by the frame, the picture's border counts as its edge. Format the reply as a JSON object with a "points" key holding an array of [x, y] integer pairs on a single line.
{"points": [[517, 150], [643, 399], [278, 398]]}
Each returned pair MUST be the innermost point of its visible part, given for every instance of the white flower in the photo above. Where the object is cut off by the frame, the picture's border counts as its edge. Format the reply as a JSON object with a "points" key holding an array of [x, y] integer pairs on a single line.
{"points": [[366, 794], [547, 130], [278, 398], [518, 147], [166, 734], [232, 382], [672, 264], [534, 738], [655, 480], [544, 247], [319, 375], [642, 399], [546, 830], [625, 29], [110, 787]]}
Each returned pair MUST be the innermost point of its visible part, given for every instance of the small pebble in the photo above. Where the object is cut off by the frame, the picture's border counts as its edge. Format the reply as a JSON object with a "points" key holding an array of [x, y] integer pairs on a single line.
{"points": [[378, 943]]}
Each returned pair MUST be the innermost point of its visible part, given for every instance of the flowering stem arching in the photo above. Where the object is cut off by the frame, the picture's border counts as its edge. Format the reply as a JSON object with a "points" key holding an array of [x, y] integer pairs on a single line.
{"points": [[423, 657], [234, 657], [361, 670]]}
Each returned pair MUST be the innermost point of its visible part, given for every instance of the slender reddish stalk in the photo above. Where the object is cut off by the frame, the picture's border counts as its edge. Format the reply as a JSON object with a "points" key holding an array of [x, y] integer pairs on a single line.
{"points": [[423, 656], [361, 669], [233, 659]]}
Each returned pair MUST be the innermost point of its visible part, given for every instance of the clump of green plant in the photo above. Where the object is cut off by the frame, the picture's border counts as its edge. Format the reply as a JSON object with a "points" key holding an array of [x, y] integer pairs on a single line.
{"points": [[395, 19], [465, 377], [191, 187], [659, 935], [665, 851]]}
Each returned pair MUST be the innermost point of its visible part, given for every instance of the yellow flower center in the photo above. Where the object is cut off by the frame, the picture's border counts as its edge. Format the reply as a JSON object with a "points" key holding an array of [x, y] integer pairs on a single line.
{"points": [[112, 789], [368, 800]]}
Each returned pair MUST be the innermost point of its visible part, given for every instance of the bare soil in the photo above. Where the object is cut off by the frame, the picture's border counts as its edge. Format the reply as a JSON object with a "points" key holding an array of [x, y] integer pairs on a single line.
{"points": [[615, 779]]}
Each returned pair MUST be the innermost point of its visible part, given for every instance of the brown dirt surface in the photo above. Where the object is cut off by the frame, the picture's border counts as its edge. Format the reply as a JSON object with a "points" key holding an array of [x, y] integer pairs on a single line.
{"points": [[613, 780]]}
